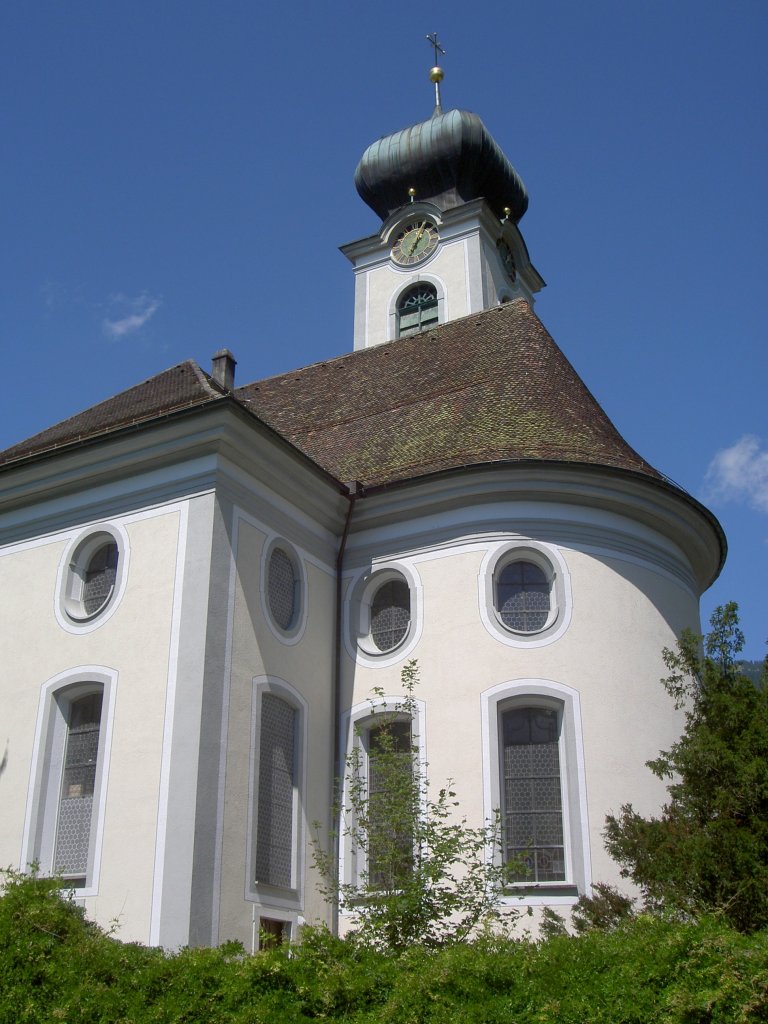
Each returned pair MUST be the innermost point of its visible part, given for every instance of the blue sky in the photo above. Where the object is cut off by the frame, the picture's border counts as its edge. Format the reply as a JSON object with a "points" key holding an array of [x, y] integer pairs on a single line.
{"points": [[178, 176]]}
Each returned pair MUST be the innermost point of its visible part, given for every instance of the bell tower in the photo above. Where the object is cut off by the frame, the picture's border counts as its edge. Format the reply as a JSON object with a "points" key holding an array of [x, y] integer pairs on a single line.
{"points": [[449, 244]]}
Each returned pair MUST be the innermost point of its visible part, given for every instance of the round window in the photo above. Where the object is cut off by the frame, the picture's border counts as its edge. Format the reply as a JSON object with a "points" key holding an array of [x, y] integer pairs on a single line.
{"points": [[522, 595], [282, 588], [390, 614]]}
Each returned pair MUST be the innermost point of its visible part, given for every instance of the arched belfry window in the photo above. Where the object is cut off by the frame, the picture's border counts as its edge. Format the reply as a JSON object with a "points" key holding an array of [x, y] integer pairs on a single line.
{"points": [[417, 309]]}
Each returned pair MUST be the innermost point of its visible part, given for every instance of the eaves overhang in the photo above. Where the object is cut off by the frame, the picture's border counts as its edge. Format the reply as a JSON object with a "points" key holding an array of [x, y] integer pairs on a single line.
{"points": [[656, 502], [160, 447]]}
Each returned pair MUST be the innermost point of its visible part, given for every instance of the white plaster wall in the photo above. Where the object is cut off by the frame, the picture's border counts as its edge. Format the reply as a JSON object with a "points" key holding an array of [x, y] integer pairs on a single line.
{"points": [[380, 284], [305, 665], [135, 642], [623, 614]]}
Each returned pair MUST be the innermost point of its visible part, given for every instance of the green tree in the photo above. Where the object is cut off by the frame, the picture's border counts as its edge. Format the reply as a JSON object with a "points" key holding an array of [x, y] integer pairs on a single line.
{"points": [[423, 875], [708, 850]]}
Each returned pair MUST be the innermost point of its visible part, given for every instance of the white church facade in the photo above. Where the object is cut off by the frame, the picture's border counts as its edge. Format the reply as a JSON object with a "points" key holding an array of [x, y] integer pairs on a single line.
{"points": [[204, 584]]}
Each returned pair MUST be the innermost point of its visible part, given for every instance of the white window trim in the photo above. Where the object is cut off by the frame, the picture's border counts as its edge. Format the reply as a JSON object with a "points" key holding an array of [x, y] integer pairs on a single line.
{"points": [[270, 899], [42, 808], [549, 558], [529, 692], [357, 614], [80, 547], [295, 632], [359, 719]]}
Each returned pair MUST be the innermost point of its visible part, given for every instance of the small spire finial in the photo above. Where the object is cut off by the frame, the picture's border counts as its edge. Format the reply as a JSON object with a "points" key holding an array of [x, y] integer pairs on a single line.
{"points": [[436, 73]]}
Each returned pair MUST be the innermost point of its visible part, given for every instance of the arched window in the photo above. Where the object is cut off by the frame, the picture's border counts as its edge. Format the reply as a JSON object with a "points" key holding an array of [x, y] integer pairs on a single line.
{"points": [[276, 804], [68, 798], [531, 794], [534, 765], [390, 797], [417, 309], [78, 783]]}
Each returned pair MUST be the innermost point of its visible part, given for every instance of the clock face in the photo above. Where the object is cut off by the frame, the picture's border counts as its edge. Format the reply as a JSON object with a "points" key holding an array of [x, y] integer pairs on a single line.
{"points": [[508, 260], [415, 242]]}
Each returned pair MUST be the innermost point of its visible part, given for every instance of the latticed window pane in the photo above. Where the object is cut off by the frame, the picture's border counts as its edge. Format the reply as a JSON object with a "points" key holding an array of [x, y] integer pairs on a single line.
{"points": [[276, 813], [73, 826], [417, 309], [99, 577], [522, 597], [390, 614], [390, 803], [533, 810], [281, 588]]}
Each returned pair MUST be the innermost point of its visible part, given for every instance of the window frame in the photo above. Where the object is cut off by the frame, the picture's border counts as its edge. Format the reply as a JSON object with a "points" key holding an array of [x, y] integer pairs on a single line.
{"points": [[295, 631], [269, 897], [546, 557], [358, 605], [549, 694], [70, 610], [46, 778], [392, 326], [357, 723], [399, 310]]}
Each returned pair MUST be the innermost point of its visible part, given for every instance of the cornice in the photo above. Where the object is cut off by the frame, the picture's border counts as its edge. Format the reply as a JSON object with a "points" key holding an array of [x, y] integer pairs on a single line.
{"points": [[180, 455], [532, 492]]}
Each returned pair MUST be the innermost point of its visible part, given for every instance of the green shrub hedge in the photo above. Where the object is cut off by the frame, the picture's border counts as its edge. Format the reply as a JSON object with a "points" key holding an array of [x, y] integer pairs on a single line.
{"points": [[56, 966]]}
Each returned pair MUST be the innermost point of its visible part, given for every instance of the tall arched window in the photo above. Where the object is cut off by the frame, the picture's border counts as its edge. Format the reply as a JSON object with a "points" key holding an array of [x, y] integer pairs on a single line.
{"points": [[417, 309], [276, 806], [66, 813], [532, 806]]}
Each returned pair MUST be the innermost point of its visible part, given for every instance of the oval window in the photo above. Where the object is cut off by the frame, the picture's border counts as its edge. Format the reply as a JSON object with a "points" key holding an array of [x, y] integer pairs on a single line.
{"points": [[523, 597], [91, 577], [390, 614], [282, 588]]}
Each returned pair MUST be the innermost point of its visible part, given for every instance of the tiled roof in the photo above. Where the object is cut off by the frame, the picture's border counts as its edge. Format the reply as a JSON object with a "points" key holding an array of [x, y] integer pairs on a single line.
{"points": [[492, 387], [182, 386]]}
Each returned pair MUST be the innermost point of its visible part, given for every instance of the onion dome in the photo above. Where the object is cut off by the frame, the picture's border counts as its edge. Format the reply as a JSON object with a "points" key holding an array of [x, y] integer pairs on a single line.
{"points": [[448, 160]]}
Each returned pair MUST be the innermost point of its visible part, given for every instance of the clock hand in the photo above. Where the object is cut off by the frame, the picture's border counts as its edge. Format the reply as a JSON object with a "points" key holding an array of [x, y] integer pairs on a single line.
{"points": [[417, 239]]}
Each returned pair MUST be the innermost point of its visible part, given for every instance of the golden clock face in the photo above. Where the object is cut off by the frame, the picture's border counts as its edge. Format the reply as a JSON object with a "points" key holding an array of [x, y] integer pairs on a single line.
{"points": [[414, 243]]}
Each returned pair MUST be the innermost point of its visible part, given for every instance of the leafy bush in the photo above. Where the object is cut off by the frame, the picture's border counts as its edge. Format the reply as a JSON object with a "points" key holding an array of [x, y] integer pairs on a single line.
{"points": [[56, 966]]}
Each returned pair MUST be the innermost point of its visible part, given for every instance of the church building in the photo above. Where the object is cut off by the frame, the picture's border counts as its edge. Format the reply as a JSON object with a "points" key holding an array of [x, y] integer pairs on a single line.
{"points": [[209, 585]]}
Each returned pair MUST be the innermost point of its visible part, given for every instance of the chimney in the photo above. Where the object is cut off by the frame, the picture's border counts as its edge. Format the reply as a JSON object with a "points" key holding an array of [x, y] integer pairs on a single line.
{"points": [[223, 368]]}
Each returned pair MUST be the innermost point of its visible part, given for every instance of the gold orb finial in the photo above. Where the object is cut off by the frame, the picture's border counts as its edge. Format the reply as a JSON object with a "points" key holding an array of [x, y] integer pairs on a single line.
{"points": [[436, 74]]}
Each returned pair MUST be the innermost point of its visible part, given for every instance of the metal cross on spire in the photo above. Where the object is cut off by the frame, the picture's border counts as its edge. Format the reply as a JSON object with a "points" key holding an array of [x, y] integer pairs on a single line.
{"points": [[436, 74], [433, 41]]}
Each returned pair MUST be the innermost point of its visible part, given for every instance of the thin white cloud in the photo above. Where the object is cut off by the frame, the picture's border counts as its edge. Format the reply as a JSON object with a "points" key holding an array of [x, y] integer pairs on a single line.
{"points": [[740, 473], [135, 313]]}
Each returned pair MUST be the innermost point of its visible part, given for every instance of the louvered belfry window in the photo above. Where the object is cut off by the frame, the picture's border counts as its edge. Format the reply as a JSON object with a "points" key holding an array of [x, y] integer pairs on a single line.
{"points": [[533, 809], [390, 614], [523, 597], [276, 811], [417, 309], [73, 825], [281, 588], [99, 577]]}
